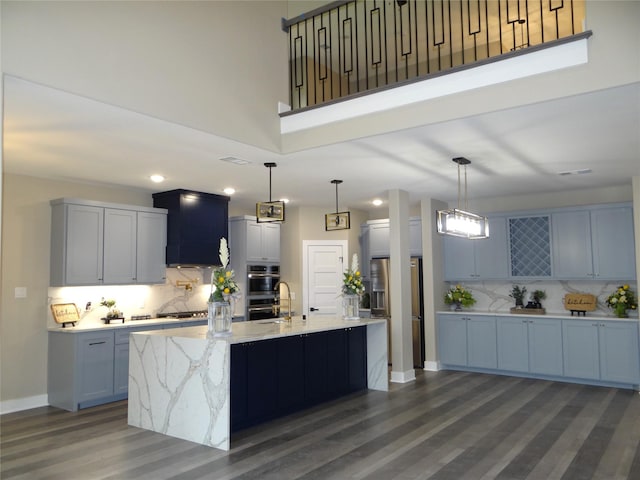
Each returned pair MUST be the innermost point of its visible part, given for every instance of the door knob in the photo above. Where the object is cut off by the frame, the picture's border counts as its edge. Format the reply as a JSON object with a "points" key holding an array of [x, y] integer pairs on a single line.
{"points": [[312, 309]]}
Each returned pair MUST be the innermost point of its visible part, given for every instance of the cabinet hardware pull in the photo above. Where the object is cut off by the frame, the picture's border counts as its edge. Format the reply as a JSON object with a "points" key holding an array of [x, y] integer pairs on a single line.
{"points": [[97, 343]]}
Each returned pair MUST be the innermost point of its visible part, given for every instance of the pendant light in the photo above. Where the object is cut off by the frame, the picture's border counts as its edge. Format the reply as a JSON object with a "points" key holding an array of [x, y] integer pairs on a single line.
{"points": [[270, 211], [338, 220], [462, 223]]}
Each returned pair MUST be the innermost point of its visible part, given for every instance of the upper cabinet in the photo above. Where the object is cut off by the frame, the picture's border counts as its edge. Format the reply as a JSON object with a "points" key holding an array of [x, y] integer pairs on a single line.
{"points": [[378, 235], [466, 259], [591, 244], [106, 244], [250, 241], [530, 246]]}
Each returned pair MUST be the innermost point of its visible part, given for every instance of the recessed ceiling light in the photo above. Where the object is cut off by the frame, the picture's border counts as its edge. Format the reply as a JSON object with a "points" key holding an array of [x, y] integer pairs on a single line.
{"points": [[284, 200], [157, 178], [377, 202], [229, 190], [235, 161]]}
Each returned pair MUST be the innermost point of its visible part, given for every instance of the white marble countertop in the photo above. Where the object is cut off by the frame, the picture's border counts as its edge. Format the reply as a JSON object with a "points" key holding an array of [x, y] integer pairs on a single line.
{"points": [[243, 332], [558, 315], [92, 326]]}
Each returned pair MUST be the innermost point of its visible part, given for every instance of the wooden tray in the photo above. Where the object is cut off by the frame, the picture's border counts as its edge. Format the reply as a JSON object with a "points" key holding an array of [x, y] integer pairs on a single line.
{"points": [[64, 313], [529, 311]]}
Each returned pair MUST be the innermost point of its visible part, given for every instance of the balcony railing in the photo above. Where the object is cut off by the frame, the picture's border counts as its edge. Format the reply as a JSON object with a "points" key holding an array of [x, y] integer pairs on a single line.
{"points": [[349, 47]]}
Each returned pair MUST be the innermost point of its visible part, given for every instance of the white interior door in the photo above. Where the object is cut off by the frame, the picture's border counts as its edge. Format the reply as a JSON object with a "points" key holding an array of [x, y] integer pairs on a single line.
{"points": [[323, 265]]}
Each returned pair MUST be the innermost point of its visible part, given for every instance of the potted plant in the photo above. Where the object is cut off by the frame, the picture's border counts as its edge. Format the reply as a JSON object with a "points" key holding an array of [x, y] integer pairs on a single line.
{"points": [[518, 293], [460, 297], [621, 300], [113, 313], [536, 297]]}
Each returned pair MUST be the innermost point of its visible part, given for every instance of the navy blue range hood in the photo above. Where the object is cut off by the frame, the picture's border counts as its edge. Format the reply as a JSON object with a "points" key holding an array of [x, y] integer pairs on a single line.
{"points": [[195, 224]]}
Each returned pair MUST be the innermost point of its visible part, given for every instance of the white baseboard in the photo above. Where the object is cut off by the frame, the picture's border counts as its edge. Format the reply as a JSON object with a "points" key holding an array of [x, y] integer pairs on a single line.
{"points": [[403, 377], [19, 404], [431, 366]]}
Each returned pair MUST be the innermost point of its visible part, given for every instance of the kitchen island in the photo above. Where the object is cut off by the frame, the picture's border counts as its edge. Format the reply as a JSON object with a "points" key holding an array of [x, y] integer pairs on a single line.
{"points": [[186, 385]]}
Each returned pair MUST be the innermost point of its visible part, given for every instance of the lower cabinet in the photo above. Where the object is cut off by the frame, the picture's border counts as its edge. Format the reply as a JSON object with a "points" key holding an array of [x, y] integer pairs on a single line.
{"points": [[271, 378], [467, 341], [91, 368], [601, 350], [530, 345]]}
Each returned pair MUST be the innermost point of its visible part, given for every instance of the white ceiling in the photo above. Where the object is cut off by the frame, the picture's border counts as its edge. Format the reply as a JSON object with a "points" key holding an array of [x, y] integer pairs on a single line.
{"points": [[50, 133]]}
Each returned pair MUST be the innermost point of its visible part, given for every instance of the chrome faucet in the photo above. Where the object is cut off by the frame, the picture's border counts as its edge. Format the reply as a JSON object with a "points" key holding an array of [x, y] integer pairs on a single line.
{"points": [[288, 317]]}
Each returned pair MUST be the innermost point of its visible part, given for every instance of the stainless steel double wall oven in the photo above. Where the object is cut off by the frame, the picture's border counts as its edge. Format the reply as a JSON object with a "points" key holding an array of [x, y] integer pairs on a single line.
{"points": [[261, 296]]}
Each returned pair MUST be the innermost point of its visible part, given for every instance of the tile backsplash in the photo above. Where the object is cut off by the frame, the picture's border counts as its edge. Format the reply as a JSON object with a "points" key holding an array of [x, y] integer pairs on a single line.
{"points": [[494, 296], [138, 299]]}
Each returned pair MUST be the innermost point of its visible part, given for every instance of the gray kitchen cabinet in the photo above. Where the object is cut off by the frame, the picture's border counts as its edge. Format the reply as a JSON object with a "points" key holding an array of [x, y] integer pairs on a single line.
{"points": [[480, 259], [588, 243], [530, 345], [530, 246], [76, 244], [120, 227], [94, 243], [467, 340], [250, 241], [150, 247], [378, 236], [601, 350]]}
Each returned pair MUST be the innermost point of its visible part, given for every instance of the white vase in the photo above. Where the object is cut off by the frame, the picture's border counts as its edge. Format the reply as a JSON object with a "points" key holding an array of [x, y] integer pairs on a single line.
{"points": [[351, 307], [219, 319]]}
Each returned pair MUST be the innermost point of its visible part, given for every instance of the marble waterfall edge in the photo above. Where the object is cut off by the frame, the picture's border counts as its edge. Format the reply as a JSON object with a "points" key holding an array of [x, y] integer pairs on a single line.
{"points": [[180, 387]]}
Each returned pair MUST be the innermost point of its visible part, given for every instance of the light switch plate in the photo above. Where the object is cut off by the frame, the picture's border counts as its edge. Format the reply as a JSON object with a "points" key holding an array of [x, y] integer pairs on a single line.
{"points": [[21, 292]]}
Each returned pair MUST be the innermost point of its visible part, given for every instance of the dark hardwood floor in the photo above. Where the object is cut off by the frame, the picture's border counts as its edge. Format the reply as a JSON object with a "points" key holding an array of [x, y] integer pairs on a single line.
{"points": [[446, 425]]}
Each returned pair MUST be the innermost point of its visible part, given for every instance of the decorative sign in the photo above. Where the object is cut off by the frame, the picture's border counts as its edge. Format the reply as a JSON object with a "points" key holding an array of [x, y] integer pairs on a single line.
{"points": [[580, 302], [65, 313]]}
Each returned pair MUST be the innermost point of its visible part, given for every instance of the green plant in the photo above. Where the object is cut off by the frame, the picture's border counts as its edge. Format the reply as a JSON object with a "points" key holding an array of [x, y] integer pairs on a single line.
{"points": [[518, 293], [352, 281], [621, 300], [538, 295], [111, 305], [459, 294], [222, 282]]}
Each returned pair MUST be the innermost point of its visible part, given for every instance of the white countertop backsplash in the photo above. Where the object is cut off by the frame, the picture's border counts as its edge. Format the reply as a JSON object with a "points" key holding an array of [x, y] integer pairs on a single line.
{"points": [[493, 297]]}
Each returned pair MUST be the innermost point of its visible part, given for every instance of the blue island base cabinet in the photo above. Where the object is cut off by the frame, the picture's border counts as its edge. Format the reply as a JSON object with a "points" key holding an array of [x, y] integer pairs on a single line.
{"points": [[272, 378], [592, 351]]}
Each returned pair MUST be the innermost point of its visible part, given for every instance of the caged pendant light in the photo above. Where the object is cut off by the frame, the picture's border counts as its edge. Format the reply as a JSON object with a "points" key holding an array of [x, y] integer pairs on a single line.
{"points": [[270, 211], [338, 220], [462, 223]]}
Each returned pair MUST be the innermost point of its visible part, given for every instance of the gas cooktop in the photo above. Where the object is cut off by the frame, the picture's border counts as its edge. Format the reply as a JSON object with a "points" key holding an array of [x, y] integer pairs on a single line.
{"points": [[189, 314]]}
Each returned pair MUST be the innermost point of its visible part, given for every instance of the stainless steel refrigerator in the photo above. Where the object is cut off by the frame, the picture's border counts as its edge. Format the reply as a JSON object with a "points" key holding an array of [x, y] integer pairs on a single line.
{"points": [[381, 305]]}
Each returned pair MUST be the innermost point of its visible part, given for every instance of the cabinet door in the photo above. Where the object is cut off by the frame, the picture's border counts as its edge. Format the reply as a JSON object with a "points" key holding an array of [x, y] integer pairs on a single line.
{"points": [[84, 245], [315, 361], [459, 258], [95, 367], [571, 233], [481, 342], [619, 360], [357, 358], [151, 247], [337, 363], [379, 239], [415, 237], [238, 386], [580, 349], [492, 254], [290, 368], [452, 340], [613, 239], [254, 242], [513, 344], [364, 251], [271, 242], [261, 380], [530, 246], [121, 369], [120, 241], [545, 346]]}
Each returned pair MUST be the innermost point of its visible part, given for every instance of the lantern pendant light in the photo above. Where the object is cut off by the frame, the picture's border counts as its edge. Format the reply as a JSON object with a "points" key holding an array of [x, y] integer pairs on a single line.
{"points": [[270, 211], [338, 220]]}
